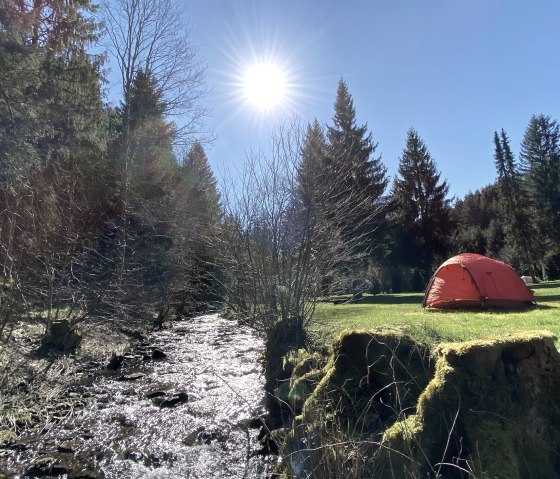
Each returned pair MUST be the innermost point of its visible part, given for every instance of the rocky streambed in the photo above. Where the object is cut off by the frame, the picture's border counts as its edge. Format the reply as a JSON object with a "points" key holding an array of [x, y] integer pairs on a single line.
{"points": [[185, 404]]}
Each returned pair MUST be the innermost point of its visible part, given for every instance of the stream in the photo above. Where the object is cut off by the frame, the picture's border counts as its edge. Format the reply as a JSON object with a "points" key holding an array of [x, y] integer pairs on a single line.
{"points": [[192, 413]]}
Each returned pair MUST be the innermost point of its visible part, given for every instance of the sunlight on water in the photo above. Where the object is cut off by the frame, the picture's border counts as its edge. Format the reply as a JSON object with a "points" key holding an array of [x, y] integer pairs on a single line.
{"points": [[125, 434]]}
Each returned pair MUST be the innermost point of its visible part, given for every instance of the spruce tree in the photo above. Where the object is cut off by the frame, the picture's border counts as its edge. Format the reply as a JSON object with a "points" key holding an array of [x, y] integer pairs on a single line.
{"points": [[518, 226], [420, 208], [540, 161], [53, 142], [356, 178], [196, 218], [312, 178], [353, 151]]}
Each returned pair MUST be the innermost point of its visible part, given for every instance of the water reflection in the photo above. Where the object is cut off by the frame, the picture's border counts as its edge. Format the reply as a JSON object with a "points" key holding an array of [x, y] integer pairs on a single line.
{"points": [[213, 382]]}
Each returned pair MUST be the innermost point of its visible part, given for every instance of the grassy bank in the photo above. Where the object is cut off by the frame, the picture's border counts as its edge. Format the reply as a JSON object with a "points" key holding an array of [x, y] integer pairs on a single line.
{"points": [[390, 400], [405, 311]]}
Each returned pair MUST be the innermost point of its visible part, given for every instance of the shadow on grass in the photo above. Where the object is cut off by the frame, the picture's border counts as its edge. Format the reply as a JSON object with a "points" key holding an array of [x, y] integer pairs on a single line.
{"points": [[488, 310], [545, 306], [548, 298], [390, 299], [548, 285]]}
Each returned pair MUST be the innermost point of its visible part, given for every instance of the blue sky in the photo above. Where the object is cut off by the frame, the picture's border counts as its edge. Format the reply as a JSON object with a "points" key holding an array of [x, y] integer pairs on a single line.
{"points": [[454, 70]]}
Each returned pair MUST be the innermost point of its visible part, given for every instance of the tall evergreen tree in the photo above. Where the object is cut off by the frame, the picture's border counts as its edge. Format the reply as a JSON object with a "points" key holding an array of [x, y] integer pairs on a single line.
{"points": [[357, 178], [479, 223], [540, 161], [194, 229], [518, 226], [199, 187], [420, 208], [353, 150], [55, 128], [312, 177]]}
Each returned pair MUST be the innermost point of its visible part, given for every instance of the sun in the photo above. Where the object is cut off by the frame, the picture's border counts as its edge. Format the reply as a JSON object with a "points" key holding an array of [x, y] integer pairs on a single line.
{"points": [[265, 86]]}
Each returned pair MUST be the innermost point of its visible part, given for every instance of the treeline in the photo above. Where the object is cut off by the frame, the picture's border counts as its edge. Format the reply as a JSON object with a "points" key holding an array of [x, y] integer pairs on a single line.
{"points": [[113, 212], [408, 225], [102, 217]]}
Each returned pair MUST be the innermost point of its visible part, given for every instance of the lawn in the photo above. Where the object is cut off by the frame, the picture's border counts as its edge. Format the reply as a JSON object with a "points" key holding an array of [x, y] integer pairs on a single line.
{"points": [[405, 311]]}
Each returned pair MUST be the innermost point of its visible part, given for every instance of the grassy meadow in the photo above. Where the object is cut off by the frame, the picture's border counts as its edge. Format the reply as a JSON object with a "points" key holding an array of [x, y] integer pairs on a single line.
{"points": [[404, 311]]}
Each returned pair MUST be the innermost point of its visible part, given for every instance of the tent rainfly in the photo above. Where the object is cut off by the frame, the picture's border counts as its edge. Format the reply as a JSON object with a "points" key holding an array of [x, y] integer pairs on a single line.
{"points": [[471, 281]]}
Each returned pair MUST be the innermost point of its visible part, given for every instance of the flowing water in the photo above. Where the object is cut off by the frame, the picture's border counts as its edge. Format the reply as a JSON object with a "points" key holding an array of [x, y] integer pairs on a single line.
{"points": [[189, 415]]}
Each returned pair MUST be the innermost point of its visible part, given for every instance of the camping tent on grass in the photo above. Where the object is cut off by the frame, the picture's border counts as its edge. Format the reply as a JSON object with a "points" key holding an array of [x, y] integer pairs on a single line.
{"points": [[471, 280]]}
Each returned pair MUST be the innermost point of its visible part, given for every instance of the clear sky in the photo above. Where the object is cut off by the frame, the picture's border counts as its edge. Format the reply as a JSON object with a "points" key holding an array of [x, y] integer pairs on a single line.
{"points": [[455, 70]]}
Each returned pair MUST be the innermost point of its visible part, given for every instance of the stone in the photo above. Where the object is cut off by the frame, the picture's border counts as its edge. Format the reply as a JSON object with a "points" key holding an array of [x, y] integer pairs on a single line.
{"points": [[179, 398], [115, 362], [47, 466], [133, 454], [86, 474], [157, 353], [252, 422], [192, 437], [207, 437], [155, 394], [131, 377]]}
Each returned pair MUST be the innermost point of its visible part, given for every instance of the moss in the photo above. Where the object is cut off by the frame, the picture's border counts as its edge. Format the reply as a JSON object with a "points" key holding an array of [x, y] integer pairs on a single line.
{"points": [[371, 378], [491, 402], [489, 407]]}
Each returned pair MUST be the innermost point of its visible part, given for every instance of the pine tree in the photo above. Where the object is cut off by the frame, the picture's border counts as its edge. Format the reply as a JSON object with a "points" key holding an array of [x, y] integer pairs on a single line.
{"points": [[53, 173], [312, 178], [199, 187], [144, 100], [420, 207], [195, 226], [352, 149], [479, 223]]}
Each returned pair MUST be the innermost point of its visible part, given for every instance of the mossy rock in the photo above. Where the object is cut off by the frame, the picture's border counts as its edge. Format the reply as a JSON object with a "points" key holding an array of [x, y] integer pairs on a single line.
{"points": [[491, 408], [372, 375]]}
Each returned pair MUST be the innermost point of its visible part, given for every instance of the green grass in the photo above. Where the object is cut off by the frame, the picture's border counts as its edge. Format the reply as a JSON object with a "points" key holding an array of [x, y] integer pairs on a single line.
{"points": [[405, 311]]}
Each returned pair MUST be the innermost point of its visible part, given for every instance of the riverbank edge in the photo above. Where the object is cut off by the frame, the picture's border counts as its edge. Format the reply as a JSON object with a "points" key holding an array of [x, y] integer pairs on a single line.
{"points": [[344, 425], [40, 386]]}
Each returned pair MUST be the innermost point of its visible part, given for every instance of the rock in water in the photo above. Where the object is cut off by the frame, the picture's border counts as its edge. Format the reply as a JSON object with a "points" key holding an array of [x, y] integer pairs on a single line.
{"points": [[115, 362], [46, 466], [179, 398], [157, 353], [131, 376]]}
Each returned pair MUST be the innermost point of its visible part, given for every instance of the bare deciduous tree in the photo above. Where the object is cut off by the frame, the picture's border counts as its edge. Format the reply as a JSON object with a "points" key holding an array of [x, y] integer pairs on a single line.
{"points": [[151, 36], [281, 237]]}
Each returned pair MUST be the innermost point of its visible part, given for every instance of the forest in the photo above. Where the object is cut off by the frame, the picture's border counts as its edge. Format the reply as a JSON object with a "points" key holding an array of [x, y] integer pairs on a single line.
{"points": [[111, 217], [112, 213]]}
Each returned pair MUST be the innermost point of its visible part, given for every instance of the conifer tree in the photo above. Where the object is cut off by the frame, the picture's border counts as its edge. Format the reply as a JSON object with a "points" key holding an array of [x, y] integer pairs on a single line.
{"points": [[420, 208], [195, 227], [52, 164], [355, 176], [352, 149], [517, 226], [312, 178], [540, 161]]}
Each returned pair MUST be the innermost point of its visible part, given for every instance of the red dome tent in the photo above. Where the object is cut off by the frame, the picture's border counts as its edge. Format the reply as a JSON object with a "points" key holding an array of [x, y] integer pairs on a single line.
{"points": [[471, 280]]}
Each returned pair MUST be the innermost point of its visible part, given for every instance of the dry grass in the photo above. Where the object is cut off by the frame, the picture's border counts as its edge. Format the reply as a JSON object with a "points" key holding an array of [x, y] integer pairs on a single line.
{"points": [[33, 387]]}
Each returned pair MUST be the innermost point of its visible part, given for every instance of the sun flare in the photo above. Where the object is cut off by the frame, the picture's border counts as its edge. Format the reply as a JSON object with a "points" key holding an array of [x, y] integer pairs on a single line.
{"points": [[265, 86]]}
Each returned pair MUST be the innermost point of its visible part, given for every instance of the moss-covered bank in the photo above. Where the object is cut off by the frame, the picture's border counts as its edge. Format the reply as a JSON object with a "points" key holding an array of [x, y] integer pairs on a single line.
{"points": [[491, 409], [379, 408]]}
